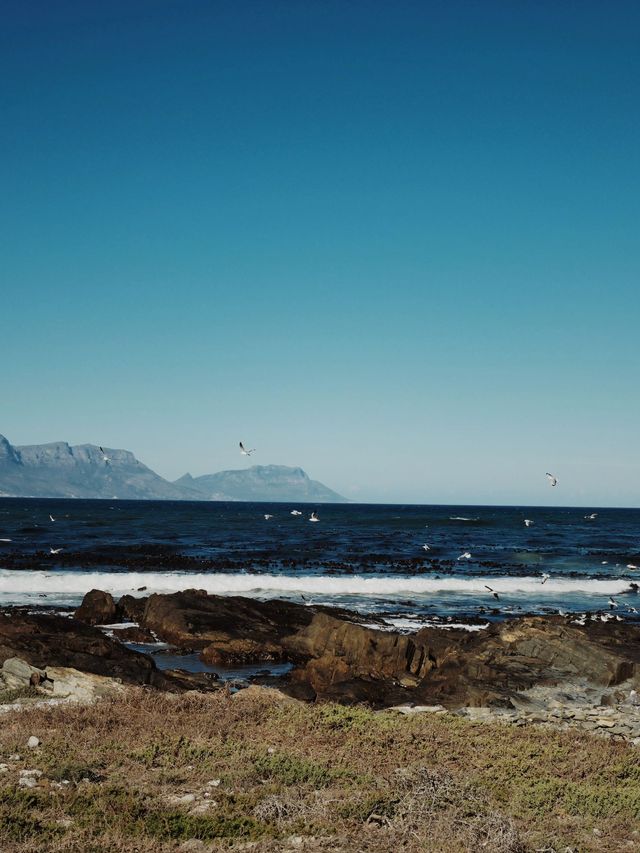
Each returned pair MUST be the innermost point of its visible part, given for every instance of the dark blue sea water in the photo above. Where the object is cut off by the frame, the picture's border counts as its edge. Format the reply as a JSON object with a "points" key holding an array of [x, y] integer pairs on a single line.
{"points": [[366, 557]]}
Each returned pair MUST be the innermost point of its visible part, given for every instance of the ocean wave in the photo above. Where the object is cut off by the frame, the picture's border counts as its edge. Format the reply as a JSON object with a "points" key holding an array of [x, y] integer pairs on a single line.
{"points": [[69, 586]]}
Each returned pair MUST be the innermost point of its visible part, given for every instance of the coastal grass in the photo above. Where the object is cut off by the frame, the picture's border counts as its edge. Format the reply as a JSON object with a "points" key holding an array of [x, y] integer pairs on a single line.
{"points": [[256, 771]]}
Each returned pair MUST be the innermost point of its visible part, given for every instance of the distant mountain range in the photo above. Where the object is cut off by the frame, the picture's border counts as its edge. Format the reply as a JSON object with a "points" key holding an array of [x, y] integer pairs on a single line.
{"points": [[260, 483], [59, 470]]}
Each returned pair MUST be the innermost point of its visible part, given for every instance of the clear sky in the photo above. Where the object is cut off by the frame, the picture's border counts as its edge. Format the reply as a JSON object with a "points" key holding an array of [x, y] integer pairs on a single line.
{"points": [[394, 243]]}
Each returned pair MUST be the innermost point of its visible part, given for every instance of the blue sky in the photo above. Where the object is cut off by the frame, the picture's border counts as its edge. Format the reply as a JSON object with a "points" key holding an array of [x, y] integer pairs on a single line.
{"points": [[394, 243]]}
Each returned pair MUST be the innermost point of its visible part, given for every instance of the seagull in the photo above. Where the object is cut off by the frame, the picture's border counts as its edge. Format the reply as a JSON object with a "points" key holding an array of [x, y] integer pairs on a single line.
{"points": [[493, 592], [632, 566], [580, 621], [267, 516], [313, 517], [545, 577], [244, 451], [51, 518], [5, 540], [612, 602], [592, 516], [528, 522], [604, 563], [426, 547], [632, 610], [552, 479], [465, 556], [105, 458], [295, 512], [55, 550]]}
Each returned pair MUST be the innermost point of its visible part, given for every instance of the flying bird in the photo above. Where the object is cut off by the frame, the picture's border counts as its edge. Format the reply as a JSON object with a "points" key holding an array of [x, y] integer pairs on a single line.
{"points": [[5, 540], [55, 550], [528, 522], [105, 458], [267, 516], [592, 516], [244, 451], [552, 479], [426, 547], [612, 602], [632, 566], [313, 517], [545, 577], [51, 518], [465, 556], [295, 512], [493, 592]]}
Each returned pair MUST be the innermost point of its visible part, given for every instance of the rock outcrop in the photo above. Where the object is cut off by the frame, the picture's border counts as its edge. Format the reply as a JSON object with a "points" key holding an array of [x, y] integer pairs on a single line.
{"points": [[97, 608], [47, 641], [337, 658]]}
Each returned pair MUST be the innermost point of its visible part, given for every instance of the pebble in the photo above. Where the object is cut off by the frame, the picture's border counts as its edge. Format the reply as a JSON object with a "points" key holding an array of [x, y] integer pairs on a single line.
{"points": [[30, 774], [4, 768], [214, 783], [33, 742], [27, 782]]}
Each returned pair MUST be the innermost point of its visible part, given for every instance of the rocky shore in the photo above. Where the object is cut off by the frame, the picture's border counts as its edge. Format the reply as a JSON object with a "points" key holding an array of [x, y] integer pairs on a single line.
{"points": [[543, 670]]}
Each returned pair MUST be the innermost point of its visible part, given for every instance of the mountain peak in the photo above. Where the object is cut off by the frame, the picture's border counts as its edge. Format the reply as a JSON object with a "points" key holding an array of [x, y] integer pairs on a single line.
{"points": [[61, 470], [263, 483]]}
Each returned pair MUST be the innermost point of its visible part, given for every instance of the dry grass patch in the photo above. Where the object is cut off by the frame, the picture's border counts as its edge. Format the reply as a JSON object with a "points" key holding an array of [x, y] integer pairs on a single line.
{"points": [[151, 771]]}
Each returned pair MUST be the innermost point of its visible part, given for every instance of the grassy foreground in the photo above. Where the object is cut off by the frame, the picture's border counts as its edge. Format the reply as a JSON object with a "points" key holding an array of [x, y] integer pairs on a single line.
{"points": [[153, 772]]}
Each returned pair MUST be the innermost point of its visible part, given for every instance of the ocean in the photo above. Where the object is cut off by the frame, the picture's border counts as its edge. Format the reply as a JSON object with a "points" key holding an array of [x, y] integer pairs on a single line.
{"points": [[366, 557]]}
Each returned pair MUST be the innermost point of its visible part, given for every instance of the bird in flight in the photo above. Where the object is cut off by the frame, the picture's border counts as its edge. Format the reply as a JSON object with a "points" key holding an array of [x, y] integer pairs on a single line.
{"points": [[493, 592], [51, 518], [465, 556], [592, 516], [545, 577], [295, 512], [426, 547], [632, 566], [313, 517], [55, 550], [552, 479], [528, 522], [244, 451], [105, 458], [267, 516], [612, 602]]}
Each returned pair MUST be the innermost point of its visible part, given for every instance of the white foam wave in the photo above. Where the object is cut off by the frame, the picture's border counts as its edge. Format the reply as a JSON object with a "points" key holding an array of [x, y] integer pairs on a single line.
{"points": [[63, 587]]}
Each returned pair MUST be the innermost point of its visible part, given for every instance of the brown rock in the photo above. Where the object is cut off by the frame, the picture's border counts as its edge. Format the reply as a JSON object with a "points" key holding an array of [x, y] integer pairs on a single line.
{"points": [[46, 641], [130, 609], [134, 635], [231, 629], [97, 608]]}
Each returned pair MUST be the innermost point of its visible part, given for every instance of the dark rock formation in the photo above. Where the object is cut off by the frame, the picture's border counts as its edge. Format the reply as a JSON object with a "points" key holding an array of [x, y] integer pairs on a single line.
{"points": [[337, 658], [56, 641], [97, 608], [226, 630]]}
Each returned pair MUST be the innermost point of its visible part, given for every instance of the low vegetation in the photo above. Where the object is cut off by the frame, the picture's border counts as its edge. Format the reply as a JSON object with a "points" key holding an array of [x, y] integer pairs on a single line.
{"points": [[152, 772]]}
